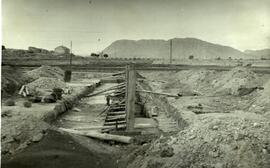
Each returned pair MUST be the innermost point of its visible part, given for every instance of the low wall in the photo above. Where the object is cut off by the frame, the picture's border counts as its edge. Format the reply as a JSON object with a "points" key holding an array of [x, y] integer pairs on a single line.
{"points": [[68, 103]]}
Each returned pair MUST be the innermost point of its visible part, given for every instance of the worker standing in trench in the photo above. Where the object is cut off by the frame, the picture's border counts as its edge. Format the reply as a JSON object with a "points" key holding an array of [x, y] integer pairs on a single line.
{"points": [[108, 99]]}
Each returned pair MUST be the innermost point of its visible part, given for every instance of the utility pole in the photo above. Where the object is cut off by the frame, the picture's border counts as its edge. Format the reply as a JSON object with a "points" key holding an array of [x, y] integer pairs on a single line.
{"points": [[70, 58], [170, 51], [68, 73]]}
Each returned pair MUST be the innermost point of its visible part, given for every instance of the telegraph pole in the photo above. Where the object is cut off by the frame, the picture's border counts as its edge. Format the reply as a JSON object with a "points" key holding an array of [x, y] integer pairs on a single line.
{"points": [[170, 51], [70, 58], [68, 72]]}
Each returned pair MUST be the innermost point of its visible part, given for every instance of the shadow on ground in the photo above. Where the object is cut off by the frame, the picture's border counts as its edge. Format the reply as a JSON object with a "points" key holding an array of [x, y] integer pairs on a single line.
{"points": [[58, 150]]}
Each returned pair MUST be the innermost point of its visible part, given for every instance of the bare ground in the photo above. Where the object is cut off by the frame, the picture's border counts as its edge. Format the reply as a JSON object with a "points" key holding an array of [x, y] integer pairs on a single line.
{"points": [[223, 130]]}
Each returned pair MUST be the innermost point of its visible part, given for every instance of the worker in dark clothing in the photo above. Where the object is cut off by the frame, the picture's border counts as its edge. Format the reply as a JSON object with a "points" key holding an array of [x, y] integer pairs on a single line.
{"points": [[57, 93], [54, 96], [108, 99]]}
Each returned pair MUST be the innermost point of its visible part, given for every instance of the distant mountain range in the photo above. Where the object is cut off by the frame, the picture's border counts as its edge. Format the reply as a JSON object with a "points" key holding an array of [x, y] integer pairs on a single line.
{"points": [[182, 48]]}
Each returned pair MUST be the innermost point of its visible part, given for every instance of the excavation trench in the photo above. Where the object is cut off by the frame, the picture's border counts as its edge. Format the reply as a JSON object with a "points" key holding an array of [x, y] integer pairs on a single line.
{"points": [[61, 149]]}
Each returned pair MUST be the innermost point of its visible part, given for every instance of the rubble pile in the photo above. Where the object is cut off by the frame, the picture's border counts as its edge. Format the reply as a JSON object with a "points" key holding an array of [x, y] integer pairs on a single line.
{"points": [[190, 82], [17, 135], [46, 71], [45, 83], [222, 129], [214, 143], [262, 100], [11, 80], [231, 82], [238, 82], [46, 77]]}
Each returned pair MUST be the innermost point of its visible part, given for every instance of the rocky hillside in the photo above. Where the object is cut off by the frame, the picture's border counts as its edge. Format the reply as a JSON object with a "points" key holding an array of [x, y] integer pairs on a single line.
{"points": [[181, 48], [259, 54]]}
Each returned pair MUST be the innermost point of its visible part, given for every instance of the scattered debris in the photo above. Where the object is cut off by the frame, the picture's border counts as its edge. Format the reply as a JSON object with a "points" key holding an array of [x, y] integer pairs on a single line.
{"points": [[261, 102], [45, 83], [166, 151], [37, 137], [24, 91], [76, 109], [9, 102], [239, 81], [6, 113], [27, 104]]}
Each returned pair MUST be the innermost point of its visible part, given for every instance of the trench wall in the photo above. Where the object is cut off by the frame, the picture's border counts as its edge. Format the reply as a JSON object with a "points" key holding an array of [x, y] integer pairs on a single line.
{"points": [[153, 103]]}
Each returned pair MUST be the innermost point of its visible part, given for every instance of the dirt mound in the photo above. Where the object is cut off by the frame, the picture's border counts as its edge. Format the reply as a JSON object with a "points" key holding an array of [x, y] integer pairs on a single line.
{"points": [[234, 142], [191, 81], [45, 83], [229, 83], [262, 100], [46, 71], [18, 132], [11, 80], [238, 81]]}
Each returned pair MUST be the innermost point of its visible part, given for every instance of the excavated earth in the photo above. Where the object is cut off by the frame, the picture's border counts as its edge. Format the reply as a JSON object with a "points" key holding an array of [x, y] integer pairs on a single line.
{"points": [[222, 119], [228, 122]]}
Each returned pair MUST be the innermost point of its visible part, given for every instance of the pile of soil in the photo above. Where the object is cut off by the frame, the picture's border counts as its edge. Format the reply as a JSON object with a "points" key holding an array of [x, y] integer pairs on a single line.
{"points": [[262, 100], [11, 80], [215, 142], [191, 82], [229, 83], [228, 134], [209, 82], [45, 83], [46, 71], [17, 135]]}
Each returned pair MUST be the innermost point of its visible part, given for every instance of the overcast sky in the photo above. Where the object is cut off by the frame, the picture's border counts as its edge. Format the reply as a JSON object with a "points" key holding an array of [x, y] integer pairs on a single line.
{"points": [[93, 25]]}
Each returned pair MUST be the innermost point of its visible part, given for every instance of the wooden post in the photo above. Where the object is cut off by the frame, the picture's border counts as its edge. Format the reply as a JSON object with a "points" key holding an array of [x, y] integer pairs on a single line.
{"points": [[170, 51], [70, 54], [130, 96]]}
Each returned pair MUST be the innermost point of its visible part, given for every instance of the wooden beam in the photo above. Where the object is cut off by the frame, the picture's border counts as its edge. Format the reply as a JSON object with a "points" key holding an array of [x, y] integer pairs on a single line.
{"points": [[98, 135], [121, 86], [130, 96], [114, 122], [117, 74], [100, 127], [116, 113], [118, 117], [164, 94]]}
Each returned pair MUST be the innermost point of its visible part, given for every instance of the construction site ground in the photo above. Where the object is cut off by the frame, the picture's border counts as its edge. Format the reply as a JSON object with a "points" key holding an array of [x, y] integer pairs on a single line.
{"points": [[223, 125], [223, 130]]}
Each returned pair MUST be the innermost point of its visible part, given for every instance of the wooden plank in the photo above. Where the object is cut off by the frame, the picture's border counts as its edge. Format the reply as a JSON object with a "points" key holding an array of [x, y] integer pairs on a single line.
{"points": [[117, 108], [114, 122], [98, 135], [116, 113], [130, 96], [164, 94], [106, 90], [115, 119], [21, 90], [144, 125], [100, 127], [117, 74]]}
